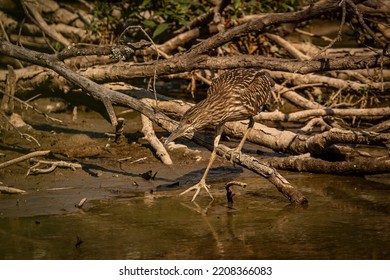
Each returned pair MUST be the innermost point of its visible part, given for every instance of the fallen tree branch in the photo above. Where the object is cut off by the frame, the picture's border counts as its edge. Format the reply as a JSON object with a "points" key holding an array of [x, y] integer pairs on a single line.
{"points": [[381, 127], [52, 166], [319, 143], [305, 163], [296, 98], [304, 114], [339, 33], [118, 52], [184, 63], [10, 190], [147, 130], [316, 122], [294, 52], [39, 21], [298, 79], [23, 158]]}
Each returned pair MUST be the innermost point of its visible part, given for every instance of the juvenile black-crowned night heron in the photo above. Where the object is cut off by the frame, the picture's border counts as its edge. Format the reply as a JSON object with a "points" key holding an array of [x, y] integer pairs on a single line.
{"points": [[235, 95]]}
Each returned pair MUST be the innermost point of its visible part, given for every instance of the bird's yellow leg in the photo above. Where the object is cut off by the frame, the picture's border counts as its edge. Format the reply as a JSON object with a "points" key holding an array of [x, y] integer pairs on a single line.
{"points": [[202, 182], [237, 151]]}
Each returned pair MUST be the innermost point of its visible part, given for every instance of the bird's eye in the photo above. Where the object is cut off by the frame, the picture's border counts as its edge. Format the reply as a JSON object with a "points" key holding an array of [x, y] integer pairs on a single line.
{"points": [[189, 121]]}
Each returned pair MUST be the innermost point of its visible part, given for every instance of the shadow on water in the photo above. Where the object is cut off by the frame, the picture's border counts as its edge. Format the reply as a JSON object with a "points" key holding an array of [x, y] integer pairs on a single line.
{"points": [[347, 218]]}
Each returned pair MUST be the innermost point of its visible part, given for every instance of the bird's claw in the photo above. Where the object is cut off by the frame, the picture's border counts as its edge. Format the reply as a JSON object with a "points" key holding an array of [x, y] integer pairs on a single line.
{"points": [[197, 188], [233, 154]]}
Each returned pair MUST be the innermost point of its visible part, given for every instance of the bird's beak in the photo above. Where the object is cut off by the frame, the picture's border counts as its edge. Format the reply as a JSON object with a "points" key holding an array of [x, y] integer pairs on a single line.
{"points": [[178, 132]]}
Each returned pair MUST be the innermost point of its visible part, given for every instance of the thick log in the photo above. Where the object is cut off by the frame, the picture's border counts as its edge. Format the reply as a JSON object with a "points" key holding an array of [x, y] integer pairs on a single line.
{"points": [[183, 63], [305, 163]]}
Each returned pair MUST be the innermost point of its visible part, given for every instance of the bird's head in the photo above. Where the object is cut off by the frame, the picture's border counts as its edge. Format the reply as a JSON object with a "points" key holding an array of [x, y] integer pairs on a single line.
{"points": [[193, 120]]}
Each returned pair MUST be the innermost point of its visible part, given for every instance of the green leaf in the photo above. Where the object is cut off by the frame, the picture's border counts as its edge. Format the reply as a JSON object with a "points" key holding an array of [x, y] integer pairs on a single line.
{"points": [[149, 23], [184, 22], [160, 29]]}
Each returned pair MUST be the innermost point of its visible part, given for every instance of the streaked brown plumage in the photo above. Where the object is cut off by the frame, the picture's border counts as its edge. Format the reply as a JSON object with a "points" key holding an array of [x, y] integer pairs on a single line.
{"points": [[235, 95]]}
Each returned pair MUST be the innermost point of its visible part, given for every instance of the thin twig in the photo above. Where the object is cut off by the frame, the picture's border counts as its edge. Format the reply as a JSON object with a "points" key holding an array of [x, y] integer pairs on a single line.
{"points": [[125, 158], [52, 166], [137, 160], [10, 190], [23, 158], [312, 35]]}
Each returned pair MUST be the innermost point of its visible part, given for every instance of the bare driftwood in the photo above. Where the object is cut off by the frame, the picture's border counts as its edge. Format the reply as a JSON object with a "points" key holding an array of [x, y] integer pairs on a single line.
{"points": [[305, 114], [319, 143], [383, 126], [29, 79], [337, 83], [297, 99], [147, 130], [23, 158], [360, 166], [52, 165], [294, 52], [32, 7], [10, 190], [181, 63]]}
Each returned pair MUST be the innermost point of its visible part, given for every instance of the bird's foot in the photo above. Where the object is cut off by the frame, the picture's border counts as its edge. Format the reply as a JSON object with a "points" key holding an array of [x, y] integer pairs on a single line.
{"points": [[234, 153], [197, 188]]}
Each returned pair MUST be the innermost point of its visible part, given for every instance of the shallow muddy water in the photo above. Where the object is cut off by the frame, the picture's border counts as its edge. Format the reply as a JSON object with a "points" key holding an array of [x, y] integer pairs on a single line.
{"points": [[347, 218]]}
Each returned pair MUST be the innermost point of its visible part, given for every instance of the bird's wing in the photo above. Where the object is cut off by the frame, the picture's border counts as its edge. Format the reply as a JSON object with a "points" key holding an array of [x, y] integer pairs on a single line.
{"points": [[250, 88], [258, 91], [232, 81]]}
